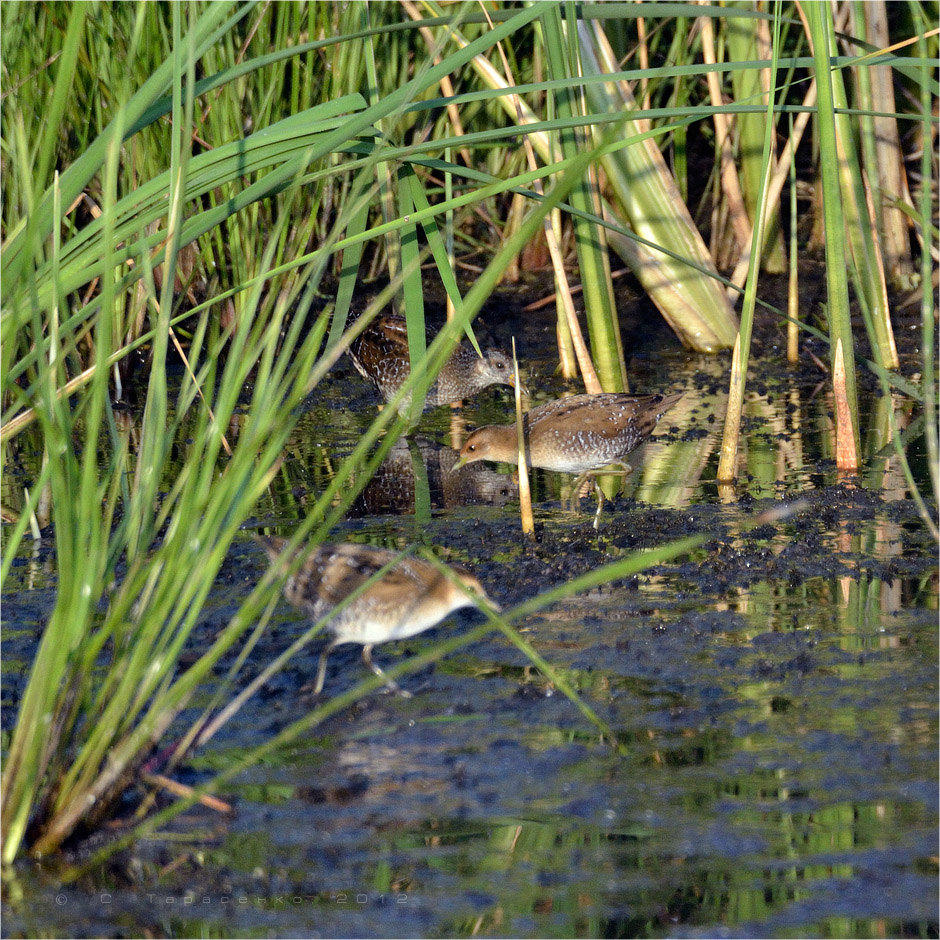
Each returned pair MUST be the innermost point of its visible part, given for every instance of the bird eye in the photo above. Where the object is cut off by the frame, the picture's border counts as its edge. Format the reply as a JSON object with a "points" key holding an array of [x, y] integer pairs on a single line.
{"points": [[471, 447]]}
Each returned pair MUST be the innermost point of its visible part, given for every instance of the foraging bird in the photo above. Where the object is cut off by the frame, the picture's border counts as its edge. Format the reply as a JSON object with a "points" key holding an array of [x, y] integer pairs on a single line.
{"points": [[573, 435], [410, 597], [380, 354]]}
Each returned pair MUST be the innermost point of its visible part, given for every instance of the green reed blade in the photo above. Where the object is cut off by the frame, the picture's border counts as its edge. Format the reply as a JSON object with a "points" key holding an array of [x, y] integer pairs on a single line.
{"points": [[728, 463], [927, 303], [590, 240], [867, 269], [412, 297], [840, 325], [647, 195], [74, 179], [745, 40]]}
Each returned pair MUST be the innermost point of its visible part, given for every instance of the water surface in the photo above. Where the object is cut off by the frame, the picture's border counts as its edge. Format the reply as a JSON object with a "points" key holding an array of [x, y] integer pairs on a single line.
{"points": [[773, 697]]}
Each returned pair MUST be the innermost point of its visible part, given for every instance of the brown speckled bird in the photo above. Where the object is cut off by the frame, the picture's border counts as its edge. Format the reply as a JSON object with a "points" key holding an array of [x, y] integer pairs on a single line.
{"points": [[412, 596], [574, 435], [380, 354]]}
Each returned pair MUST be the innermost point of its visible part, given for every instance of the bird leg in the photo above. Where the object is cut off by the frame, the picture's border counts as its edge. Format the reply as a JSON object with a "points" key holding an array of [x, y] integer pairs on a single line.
{"points": [[592, 475], [600, 505], [623, 468], [392, 685], [321, 669], [574, 500]]}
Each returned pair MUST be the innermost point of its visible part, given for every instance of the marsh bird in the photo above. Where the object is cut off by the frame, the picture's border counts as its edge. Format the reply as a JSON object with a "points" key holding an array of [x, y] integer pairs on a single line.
{"points": [[410, 597], [380, 354], [578, 434]]}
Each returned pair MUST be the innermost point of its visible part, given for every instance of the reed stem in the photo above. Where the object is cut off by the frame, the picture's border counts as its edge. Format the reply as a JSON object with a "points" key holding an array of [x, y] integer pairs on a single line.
{"points": [[840, 324]]}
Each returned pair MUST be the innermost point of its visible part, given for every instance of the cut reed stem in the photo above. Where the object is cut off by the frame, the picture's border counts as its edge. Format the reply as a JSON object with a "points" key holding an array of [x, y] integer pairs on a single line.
{"points": [[525, 493]]}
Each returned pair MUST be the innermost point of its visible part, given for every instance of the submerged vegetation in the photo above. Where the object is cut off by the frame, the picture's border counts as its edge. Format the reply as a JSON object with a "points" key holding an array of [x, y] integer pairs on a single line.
{"points": [[210, 184]]}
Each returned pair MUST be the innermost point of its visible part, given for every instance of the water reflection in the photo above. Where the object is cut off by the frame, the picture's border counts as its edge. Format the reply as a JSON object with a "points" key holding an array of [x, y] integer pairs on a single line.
{"points": [[787, 437], [417, 476], [778, 772]]}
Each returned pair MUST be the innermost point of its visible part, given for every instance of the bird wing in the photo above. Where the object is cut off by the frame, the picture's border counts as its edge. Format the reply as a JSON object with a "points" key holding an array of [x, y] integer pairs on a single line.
{"points": [[384, 338], [580, 407], [603, 416], [345, 568]]}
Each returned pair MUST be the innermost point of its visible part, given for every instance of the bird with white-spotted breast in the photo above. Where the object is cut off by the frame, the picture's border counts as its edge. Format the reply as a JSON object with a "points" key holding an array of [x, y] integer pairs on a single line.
{"points": [[573, 435], [579, 434]]}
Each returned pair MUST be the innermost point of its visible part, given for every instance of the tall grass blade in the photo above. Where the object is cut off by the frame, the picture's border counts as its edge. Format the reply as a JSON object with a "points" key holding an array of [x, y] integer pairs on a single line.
{"points": [[727, 465], [691, 302], [881, 146], [927, 303], [840, 324], [749, 40], [590, 239], [793, 281], [867, 267], [206, 30], [413, 296]]}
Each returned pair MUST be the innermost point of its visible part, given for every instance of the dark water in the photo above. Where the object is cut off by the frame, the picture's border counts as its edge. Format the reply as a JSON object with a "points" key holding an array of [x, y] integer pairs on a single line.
{"points": [[773, 697]]}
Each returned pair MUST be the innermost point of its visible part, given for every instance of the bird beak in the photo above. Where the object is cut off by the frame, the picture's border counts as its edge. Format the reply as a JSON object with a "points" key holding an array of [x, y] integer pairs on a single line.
{"points": [[461, 462]]}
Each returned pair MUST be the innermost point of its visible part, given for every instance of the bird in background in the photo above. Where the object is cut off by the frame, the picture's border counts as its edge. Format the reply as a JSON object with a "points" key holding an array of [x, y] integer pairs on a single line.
{"points": [[380, 354]]}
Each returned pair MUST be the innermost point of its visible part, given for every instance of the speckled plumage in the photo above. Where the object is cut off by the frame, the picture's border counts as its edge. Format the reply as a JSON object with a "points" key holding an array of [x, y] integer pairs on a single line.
{"points": [[380, 354], [576, 434], [412, 596]]}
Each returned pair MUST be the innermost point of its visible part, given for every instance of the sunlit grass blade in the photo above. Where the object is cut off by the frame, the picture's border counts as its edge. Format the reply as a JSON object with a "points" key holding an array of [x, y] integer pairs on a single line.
{"points": [[76, 176], [793, 280], [749, 40], [692, 303], [880, 146], [590, 239], [840, 324], [412, 295], [728, 463], [928, 306]]}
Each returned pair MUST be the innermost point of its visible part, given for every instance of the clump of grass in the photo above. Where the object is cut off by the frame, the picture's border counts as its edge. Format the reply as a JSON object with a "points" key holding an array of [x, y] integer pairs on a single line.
{"points": [[137, 549]]}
